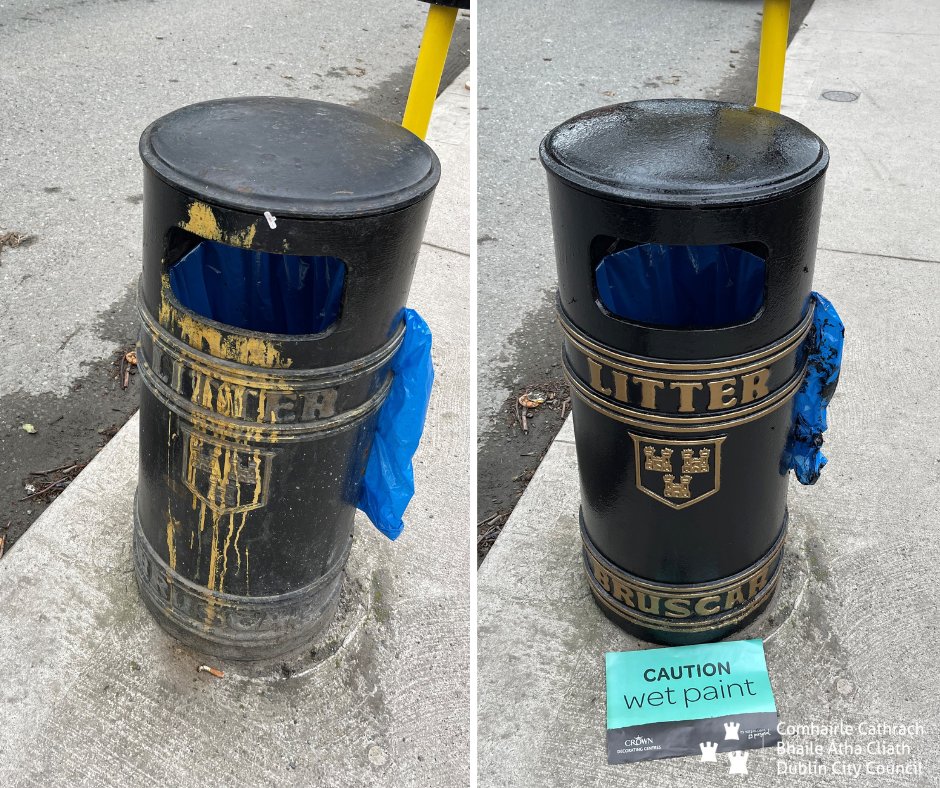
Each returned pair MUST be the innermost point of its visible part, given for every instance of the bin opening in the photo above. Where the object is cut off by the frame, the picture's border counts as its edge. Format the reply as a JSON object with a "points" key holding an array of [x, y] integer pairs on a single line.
{"points": [[680, 286], [260, 291]]}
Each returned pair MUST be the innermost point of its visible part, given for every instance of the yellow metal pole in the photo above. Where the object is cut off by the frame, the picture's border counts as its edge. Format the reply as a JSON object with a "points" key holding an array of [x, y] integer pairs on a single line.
{"points": [[427, 77], [773, 52]]}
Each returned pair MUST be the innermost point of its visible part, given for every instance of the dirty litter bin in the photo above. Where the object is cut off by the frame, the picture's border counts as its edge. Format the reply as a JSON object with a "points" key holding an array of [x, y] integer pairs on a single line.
{"points": [[685, 235], [280, 240]]}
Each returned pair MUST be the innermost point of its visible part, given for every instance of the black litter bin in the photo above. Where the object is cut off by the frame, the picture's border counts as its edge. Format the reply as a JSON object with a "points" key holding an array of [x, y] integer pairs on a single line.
{"points": [[685, 235], [280, 240]]}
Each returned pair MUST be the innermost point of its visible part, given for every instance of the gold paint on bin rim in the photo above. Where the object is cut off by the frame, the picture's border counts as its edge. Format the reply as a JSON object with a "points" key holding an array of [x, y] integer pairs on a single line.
{"points": [[734, 365], [727, 619], [225, 427], [683, 424], [733, 617], [682, 590], [242, 374]]}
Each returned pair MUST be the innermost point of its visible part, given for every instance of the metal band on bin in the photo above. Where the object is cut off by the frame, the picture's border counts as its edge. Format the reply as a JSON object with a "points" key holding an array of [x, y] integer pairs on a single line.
{"points": [[241, 373], [658, 372], [742, 363], [243, 621], [685, 608], [296, 384]]}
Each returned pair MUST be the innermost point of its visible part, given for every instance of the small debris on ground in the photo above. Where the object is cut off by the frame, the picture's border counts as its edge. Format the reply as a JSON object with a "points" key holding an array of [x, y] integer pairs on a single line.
{"points": [[212, 671], [29, 428], [532, 399], [47, 485], [3, 544], [12, 240], [547, 398], [548, 393], [127, 364], [488, 530]]}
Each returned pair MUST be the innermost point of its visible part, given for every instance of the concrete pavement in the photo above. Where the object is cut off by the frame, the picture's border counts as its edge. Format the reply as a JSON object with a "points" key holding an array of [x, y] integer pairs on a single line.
{"points": [[79, 81], [93, 693], [853, 635]]}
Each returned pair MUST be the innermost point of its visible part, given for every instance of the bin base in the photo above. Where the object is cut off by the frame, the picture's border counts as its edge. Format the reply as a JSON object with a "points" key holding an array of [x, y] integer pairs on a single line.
{"points": [[680, 615], [230, 626]]}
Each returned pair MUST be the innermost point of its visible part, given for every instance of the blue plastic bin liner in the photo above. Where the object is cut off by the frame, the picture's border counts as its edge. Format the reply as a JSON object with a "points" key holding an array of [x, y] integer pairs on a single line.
{"points": [[389, 481], [682, 286], [260, 291], [824, 360]]}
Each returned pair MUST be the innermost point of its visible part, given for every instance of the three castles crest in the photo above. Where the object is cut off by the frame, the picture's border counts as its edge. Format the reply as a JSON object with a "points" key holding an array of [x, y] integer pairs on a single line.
{"points": [[678, 473]]}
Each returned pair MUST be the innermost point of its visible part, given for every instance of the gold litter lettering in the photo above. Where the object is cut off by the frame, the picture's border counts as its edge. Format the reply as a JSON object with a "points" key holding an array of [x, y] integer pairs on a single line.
{"points": [[677, 396]]}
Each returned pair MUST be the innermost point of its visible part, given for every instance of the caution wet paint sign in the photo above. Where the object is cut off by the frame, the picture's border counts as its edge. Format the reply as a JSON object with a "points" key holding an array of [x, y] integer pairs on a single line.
{"points": [[689, 700]]}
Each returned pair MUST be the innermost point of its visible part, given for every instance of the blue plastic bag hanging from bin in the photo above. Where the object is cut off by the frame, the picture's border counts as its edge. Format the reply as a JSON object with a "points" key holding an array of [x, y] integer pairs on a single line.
{"points": [[290, 294], [389, 481], [824, 360], [714, 286]]}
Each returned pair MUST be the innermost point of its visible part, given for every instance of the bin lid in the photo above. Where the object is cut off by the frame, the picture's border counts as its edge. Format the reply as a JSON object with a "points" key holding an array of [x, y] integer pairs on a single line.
{"points": [[684, 153], [290, 156]]}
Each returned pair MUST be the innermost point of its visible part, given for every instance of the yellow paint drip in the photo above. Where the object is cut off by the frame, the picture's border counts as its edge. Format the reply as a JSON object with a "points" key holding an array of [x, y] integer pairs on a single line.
{"points": [[171, 527], [228, 541], [231, 531], [202, 222], [252, 351], [213, 568], [222, 466], [238, 534], [216, 468]]}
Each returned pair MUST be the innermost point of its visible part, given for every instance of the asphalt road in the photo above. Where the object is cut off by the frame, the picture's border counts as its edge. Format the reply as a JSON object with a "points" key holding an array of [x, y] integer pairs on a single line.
{"points": [[79, 81], [533, 73]]}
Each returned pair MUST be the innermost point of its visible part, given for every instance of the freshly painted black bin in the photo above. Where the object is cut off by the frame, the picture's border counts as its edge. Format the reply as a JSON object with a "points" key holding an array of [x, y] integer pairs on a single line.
{"points": [[681, 430], [253, 445]]}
